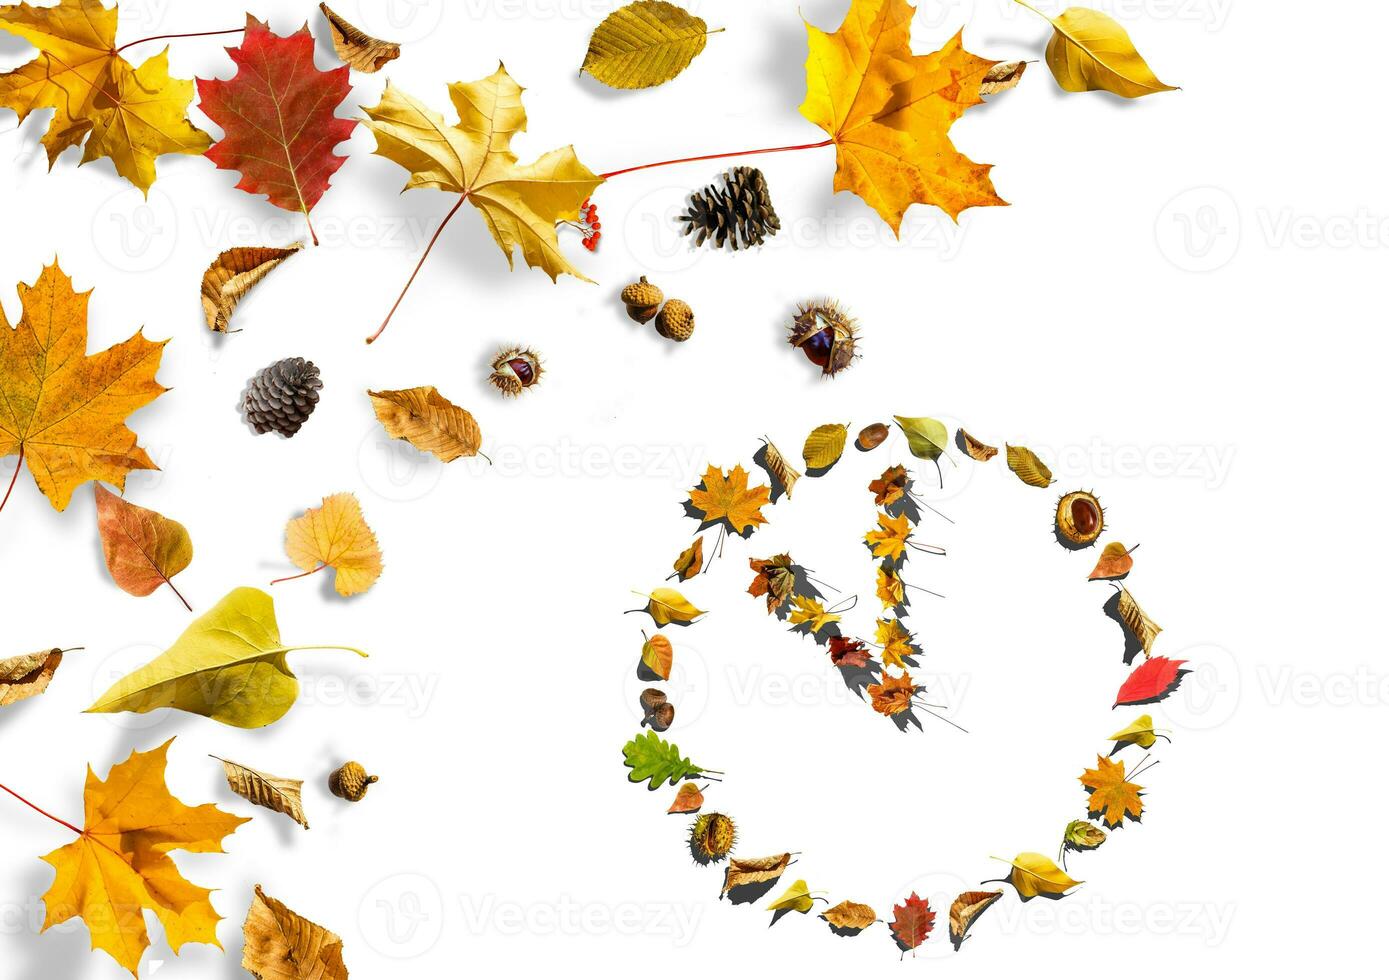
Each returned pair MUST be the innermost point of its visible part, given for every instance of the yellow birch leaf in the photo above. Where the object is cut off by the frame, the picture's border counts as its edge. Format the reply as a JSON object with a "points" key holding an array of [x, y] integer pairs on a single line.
{"points": [[335, 535], [1028, 467], [1090, 51], [824, 446], [644, 44]]}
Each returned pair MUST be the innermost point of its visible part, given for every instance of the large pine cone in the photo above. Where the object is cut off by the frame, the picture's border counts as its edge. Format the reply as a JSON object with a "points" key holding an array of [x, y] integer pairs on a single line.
{"points": [[283, 396], [739, 214]]}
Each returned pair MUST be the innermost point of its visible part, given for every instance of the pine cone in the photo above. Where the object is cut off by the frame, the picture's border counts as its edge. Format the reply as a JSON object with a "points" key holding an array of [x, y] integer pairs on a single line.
{"points": [[282, 396], [740, 213], [350, 781]]}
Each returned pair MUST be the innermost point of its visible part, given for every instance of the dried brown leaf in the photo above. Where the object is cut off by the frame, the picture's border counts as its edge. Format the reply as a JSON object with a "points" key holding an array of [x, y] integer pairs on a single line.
{"points": [[283, 945], [1001, 77], [965, 909], [1137, 621], [1028, 467], [27, 675], [232, 275], [357, 48], [975, 449], [850, 915], [751, 871], [272, 792], [780, 470]]}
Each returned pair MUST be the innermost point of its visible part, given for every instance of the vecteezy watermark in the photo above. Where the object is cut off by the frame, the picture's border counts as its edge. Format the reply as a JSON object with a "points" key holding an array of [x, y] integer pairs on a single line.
{"points": [[1099, 460], [1360, 687], [409, 694], [402, 916], [1093, 914], [566, 916], [404, 21], [1210, 15]]}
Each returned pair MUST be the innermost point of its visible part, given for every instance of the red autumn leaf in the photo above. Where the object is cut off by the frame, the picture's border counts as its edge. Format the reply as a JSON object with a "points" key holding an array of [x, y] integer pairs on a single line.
{"points": [[1151, 681], [912, 922], [277, 114], [845, 652]]}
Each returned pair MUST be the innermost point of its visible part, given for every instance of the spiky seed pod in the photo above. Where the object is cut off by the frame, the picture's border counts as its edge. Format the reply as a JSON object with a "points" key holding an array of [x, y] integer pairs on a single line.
{"points": [[515, 369], [676, 320], [281, 397], [642, 299], [1079, 519], [826, 334], [739, 213], [712, 836], [350, 781]]}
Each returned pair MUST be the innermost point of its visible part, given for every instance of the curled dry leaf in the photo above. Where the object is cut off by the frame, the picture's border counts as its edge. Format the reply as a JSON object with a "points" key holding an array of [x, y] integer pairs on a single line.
{"points": [[687, 566], [966, 909], [850, 915], [283, 945], [797, 898], [780, 470], [1115, 562], [658, 656], [824, 446], [229, 665], [644, 44], [974, 449], [143, 549], [272, 792], [357, 48], [1137, 621], [688, 799], [1036, 874], [335, 535], [27, 675], [1090, 51], [912, 922], [1001, 77], [232, 275], [1151, 681], [1028, 467], [752, 871], [428, 421], [669, 606]]}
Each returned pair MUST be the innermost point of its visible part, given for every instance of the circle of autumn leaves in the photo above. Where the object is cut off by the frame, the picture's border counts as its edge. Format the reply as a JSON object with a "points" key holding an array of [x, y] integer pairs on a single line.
{"points": [[724, 500]]}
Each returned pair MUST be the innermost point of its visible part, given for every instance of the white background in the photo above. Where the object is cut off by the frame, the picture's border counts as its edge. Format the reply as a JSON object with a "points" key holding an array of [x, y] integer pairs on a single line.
{"points": [[1176, 311]]}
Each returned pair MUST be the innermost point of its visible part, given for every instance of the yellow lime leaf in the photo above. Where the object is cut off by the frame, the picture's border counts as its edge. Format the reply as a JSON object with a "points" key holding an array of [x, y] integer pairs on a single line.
{"points": [[1091, 51], [336, 536], [1036, 874], [669, 606], [644, 44], [796, 898], [927, 438], [1140, 732]]}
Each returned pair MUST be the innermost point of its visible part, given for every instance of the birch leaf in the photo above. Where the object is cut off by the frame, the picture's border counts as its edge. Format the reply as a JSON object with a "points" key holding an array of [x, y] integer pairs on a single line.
{"points": [[644, 44], [428, 421], [272, 792], [966, 909], [850, 915], [283, 945], [357, 48], [824, 446], [232, 275], [1090, 51], [1028, 467], [1143, 628], [752, 871]]}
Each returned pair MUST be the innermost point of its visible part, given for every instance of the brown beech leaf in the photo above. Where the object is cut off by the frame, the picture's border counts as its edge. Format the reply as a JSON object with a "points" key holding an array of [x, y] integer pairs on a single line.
{"points": [[780, 470], [1001, 77], [1028, 467], [283, 945], [688, 799], [359, 49], [890, 487], [658, 656], [966, 908], [232, 275], [28, 674], [1137, 621], [845, 652], [850, 915], [143, 549], [1115, 562], [272, 792], [428, 421], [751, 871], [975, 449], [687, 566]]}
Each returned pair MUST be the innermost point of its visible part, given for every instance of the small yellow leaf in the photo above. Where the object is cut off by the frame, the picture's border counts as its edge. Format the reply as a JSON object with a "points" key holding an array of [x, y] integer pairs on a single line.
{"points": [[1036, 874], [1090, 51], [824, 446], [796, 898], [335, 535], [644, 44], [687, 566], [658, 656], [669, 606], [1028, 467], [804, 609], [1140, 733], [232, 275]]}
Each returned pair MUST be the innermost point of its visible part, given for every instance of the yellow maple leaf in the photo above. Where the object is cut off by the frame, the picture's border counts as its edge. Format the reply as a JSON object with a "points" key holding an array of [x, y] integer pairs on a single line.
{"points": [[896, 642], [804, 609], [129, 114], [473, 157], [727, 498], [120, 865], [888, 112], [890, 540], [62, 409], [1111, 795], [336, 536], [891, 591]]}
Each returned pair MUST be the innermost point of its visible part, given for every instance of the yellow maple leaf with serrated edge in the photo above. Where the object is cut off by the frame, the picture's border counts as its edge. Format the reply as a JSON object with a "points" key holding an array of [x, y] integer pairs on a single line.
{"points": [[1111, 795], [120, 864], [62, 409], [888, 112], [891, 591], [520, 203], [336, 536], [727, 498], [890, 540], [804, 609], [896, 642], [132, 115]]}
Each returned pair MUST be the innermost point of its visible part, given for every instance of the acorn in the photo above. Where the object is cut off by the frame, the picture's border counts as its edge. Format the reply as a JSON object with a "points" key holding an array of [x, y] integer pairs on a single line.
{"points": [[642, 299], [872, 436], [350, 781], [1079, 519], [826, 335], [515, 369], [656, 710], [712, 837], [676, 320]]}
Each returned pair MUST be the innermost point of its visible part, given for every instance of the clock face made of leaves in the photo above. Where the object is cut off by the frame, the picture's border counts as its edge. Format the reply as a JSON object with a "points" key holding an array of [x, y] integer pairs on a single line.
{"points": [[879, 666]]}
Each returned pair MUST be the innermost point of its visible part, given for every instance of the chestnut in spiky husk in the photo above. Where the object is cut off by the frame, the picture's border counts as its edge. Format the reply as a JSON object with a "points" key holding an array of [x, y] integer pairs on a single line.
{"points": [[825, 334], [1079, 519], [712, 837], [515, 369]]}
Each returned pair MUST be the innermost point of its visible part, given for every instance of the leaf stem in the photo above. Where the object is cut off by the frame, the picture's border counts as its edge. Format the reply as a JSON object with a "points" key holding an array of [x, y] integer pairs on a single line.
{"points": [[716, 156], [76, 830], [167, 37], [328, 646], [17, 465], [448, 217], [170, 584], [287, 578]]}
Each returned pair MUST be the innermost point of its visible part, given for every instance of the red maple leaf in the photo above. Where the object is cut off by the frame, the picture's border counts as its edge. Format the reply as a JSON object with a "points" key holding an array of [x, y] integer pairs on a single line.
{"points": [[912, 922], [1151, 681], [845, 652], [277, 114]]}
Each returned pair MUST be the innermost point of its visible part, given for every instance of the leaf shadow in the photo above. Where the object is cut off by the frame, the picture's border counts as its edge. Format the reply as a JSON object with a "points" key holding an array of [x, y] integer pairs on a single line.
{"points": [[751, 892], [1133, 646]]}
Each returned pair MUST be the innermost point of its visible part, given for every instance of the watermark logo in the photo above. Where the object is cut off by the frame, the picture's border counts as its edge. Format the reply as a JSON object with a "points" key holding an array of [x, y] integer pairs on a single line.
{"points": [[402, 916], [1199, 230]]}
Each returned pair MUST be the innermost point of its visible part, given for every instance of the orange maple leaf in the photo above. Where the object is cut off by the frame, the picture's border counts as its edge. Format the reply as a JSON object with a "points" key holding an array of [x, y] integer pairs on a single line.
{"points": [[894, 695], [890, 540], [728, 499], [889, 112], [890, 487], [1111, 795]]}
